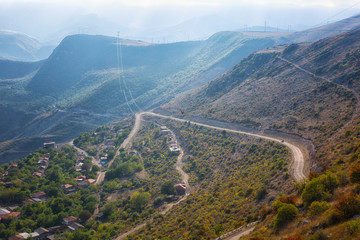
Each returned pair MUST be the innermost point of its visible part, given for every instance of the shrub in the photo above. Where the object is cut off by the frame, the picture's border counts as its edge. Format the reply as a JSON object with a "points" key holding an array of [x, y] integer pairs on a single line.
{"points": [[260, 195], [313, 191], [355, 174], [316, 208], [287, 199], [320, 188], [168, 188], [286, 214], [353, 227], [346, 207]]}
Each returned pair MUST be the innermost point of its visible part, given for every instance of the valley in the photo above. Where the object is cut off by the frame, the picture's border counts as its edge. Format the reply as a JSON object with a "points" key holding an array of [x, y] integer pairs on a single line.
{"points": [[251, 136]]}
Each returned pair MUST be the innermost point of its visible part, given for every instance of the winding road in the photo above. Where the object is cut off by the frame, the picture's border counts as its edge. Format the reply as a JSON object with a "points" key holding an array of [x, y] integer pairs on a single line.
{"points": [[298, 163], [297, 166]]}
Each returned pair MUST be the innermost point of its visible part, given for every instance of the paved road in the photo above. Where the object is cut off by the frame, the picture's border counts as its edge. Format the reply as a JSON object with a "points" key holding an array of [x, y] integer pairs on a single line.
{"points": [[297, 166]]}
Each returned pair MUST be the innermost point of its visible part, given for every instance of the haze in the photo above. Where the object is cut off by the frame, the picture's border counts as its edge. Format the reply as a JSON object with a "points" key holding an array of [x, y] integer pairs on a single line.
{"points": [[165, 20]]}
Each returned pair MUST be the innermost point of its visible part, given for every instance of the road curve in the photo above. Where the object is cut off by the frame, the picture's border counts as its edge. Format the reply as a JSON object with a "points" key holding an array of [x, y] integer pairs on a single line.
{"points": [[297, 166]]}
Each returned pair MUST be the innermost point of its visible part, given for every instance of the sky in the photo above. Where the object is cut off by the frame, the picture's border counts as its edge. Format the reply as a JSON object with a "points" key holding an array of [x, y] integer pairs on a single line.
{"points": [[165, 20]]}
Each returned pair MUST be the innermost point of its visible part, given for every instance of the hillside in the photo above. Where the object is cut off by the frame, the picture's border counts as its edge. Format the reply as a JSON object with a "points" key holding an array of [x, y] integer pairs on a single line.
{"points": [[20, 47], [288, 89], [78, 87]]}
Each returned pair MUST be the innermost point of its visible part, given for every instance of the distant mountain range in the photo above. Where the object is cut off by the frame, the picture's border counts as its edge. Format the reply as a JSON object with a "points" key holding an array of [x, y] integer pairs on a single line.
{"points": [[20, 47]]}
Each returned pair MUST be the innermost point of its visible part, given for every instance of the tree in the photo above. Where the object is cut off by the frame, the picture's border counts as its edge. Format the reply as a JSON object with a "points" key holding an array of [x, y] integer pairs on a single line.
{"points": [[84, 215], [168, 188], [286, 213], [139, 200]]}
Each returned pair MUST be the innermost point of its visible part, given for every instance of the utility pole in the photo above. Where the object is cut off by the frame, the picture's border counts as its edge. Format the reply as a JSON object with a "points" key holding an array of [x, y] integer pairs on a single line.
{"points": [[265, 26]]}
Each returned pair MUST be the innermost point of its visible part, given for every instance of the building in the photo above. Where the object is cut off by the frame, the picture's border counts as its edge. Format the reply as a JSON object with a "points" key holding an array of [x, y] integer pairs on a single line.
{"points": [[49, 145], [68, 220], [180, 189], [68, 188]]}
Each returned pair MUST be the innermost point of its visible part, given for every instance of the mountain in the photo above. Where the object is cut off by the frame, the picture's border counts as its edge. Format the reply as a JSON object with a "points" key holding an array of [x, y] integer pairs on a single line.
{"points": [[314, 34], [309, 89], [79, 86], [21, 47]]}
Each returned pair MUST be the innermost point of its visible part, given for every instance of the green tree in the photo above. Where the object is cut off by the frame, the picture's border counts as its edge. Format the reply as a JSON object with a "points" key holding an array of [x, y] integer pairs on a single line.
{"points": [[168, 188], [84, 215], [286, 213], [139, 200]]}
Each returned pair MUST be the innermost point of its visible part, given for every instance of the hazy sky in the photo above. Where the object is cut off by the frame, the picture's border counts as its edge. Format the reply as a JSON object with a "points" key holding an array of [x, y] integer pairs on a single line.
{"points": [[51, 19]]}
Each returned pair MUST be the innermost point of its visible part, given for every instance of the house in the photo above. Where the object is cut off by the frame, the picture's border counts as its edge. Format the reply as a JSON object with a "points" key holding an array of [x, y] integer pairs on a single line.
{"points": [[3, 211], [28, 201], [49, 145], [87, 182], [12, 208], [37, 174], [11, 215], [68, 220], [80, 178], [38, 195], [41, 232], [16, 237], [12, 166], [68, 188], [174, 148], [180, 189], [42, 168], [42, 162], [74, 225], [163, 128], [103, 159]]}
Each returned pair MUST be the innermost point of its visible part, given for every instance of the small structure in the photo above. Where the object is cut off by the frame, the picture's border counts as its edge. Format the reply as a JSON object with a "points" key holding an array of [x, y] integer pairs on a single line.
{"points": [[180, 189], [68, 220], [49, 145], [87, 182], [80, 178], [16, 237], [12, 166], [174, 148], [37, 174], [38, 195], [28, 201], [42, 232], [68, 188], [11, 215], [75, 225], [3, 211]]}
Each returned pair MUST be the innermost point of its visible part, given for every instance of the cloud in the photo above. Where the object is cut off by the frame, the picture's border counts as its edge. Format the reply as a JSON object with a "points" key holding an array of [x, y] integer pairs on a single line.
{"points": [[192, 3]]}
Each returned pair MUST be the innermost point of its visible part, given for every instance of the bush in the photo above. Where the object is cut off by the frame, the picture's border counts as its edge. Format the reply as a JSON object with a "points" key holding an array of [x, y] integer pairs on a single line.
{"points": [[346, 207], [168, 188], [84, 215], [286, 214], [353, 227], [355, 174], [320, 188], [316, 208]]}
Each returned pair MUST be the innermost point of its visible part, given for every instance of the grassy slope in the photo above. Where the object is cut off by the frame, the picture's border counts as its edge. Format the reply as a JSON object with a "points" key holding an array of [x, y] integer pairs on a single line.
{"points": [[227, 173], [266, 92]]}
